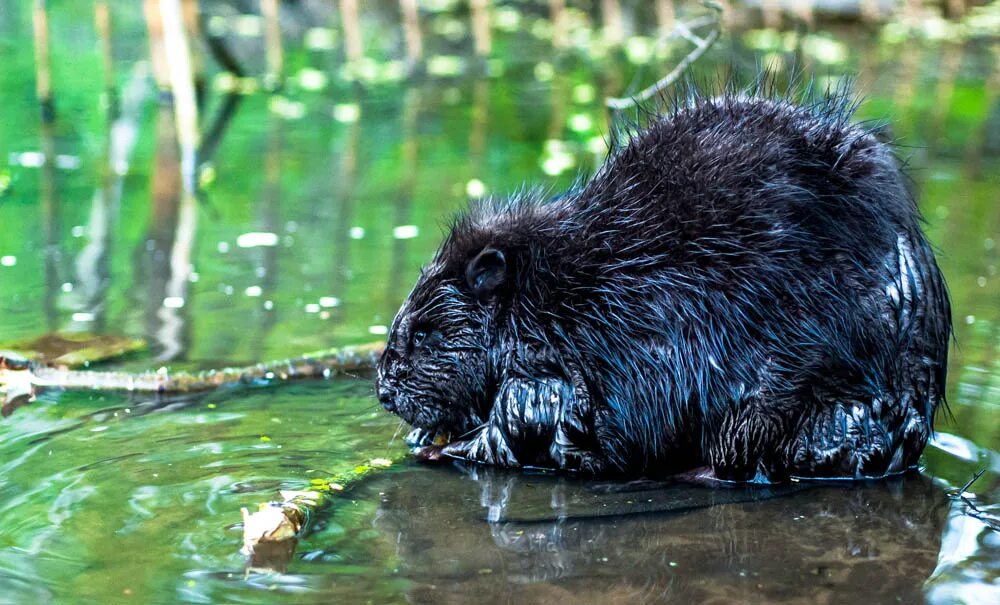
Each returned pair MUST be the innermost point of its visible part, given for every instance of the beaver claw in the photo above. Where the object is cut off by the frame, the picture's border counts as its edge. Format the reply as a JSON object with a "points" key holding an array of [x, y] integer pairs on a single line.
{"points": [[531, 424]]}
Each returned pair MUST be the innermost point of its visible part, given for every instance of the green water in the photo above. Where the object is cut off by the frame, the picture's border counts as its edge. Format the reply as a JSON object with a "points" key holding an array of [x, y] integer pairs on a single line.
{"points": [[116, 498]]}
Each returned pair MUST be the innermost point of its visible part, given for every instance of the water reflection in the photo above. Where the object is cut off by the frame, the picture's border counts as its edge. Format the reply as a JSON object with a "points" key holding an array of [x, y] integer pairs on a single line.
{"points": [[512, 538], [968, 565], [153, 257], [266, 265], [399, 272], [51, 219], [345, 176], [93, 263]]}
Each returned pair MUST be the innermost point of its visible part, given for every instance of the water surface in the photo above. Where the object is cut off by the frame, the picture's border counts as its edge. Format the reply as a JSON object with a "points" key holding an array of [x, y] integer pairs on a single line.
{"points": [[318, 207]]}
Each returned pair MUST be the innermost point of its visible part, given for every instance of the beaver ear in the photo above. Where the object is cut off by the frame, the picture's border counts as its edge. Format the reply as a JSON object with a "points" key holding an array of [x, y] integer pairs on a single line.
{"points": [[486, 273]]}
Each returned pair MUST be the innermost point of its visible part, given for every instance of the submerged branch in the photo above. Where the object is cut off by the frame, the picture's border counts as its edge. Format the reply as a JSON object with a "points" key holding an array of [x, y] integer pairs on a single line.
{"points": [[971, 509], [271, 533], [321, 364]]}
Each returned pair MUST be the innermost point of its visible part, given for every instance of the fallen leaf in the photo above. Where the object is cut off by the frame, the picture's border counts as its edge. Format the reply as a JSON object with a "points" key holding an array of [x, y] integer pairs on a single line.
{"points": [[75, 350]]}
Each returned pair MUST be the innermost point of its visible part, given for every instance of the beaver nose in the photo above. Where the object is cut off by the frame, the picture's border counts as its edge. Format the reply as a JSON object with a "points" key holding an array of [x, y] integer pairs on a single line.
{"points": [[386, 399]]}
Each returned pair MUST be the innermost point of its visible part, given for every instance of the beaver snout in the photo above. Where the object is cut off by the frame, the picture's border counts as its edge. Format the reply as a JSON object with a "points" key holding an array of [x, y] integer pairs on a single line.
{"points": [[386, 397], [386, 378]]}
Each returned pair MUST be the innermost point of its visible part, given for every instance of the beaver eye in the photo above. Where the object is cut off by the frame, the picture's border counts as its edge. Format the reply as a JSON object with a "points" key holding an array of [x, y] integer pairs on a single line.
{"points": [[417, 338]]}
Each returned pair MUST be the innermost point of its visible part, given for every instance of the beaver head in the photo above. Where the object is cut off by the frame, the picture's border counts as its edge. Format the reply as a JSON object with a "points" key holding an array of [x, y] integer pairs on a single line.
{"points": [[454, 348], [436, 370]]}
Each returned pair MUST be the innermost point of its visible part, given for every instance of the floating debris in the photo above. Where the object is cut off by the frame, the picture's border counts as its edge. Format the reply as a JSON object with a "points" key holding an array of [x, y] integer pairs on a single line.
{"points": [[250, 26], [507, 18], [584, 94], [580, 122], [311, 79], [639, 49], [597, 145], [475, 188], [405, 232], [544, 71], [453, 30], [346, 112], [445, 65], [286, 108], [557, 158], [173, 302], [217, 26], [36, 159], [74, 350], [257, 239], [320, 38], [825, 50], [226, 82]]}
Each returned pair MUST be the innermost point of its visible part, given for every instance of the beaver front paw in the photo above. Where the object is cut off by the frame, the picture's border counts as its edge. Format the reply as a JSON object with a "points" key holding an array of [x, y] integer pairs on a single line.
{"points": [[534, 423]]}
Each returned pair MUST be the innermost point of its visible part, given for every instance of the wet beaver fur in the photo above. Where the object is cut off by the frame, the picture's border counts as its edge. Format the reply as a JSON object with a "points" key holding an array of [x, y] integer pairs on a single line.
{"points": [[744, 286]]}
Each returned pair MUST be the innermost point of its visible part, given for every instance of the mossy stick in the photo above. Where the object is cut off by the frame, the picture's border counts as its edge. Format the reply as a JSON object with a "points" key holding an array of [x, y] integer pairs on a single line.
{"points": [[321, 364], [271, 533]]}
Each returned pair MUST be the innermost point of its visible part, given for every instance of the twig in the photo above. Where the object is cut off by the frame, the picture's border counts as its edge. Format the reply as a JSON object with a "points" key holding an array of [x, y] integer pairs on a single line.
{"points": [[991, 521], [271, 533], [221, 53], [213, 135], [322, 364], [701, 45]]}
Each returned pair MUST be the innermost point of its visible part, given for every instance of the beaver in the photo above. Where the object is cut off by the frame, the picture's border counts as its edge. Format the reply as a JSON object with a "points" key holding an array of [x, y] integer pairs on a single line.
{"points": [[742, 290]]}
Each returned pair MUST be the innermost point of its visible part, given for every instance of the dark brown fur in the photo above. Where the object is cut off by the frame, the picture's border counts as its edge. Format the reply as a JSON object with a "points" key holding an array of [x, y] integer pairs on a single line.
{"points": [[744, 284]]}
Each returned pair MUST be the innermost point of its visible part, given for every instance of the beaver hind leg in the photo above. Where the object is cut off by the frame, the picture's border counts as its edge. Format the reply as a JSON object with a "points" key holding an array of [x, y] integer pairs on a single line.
{"points": [[856, 440], [846, 439]]}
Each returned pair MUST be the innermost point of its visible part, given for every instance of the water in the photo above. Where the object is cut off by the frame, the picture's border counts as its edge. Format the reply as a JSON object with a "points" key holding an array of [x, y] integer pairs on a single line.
{"points": [[113, 498]]}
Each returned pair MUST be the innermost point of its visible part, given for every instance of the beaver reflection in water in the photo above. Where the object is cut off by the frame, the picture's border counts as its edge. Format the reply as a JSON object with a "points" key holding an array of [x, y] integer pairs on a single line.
{"points": [[744, 286]]}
